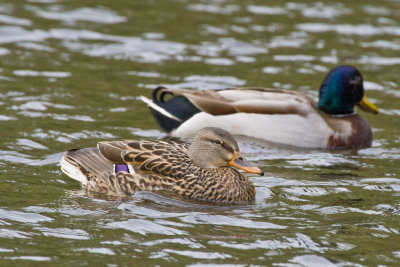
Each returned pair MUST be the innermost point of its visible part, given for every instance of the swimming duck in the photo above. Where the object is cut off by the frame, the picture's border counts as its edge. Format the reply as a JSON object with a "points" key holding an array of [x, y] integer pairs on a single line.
{"points": [[201, 171], [279, 116]]}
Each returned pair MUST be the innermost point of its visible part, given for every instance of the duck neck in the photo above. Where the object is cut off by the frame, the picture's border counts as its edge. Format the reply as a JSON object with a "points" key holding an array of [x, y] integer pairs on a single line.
{"points": [[196, 154]]}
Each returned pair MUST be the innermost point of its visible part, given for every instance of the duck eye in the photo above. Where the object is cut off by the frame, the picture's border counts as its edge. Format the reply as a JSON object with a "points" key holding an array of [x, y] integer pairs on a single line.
{"points": [[218, 142]]}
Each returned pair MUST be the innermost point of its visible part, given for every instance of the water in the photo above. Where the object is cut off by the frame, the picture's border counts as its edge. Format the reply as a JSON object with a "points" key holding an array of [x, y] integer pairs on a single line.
{"points": [[71, 73]]}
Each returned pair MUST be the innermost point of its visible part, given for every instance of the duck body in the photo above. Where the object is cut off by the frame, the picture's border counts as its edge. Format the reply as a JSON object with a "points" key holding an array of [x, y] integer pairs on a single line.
{"points": [[278, 116], [327, 132], [200, 171]]}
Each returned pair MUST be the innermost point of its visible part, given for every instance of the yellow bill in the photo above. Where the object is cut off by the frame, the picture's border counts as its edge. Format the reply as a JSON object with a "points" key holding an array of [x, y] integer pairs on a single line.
{"points": [[367, 106]]}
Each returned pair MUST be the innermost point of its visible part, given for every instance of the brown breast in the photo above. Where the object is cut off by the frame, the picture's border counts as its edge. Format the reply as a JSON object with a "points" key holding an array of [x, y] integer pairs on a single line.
{"points": [[349, 132]]}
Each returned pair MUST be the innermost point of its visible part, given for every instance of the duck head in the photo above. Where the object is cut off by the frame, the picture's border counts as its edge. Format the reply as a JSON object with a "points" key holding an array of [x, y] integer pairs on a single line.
{"points": [[341, 90], [214, 147]]}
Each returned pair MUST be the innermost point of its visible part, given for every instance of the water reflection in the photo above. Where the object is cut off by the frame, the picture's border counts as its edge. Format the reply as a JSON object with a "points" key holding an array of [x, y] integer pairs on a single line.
{"points": [[71, 75], [96, 15], [24, 217], [204, 82]]}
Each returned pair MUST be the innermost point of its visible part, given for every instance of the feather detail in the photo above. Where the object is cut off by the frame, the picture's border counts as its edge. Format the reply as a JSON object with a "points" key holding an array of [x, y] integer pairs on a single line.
{"points": [[162, 166], [275, 115]]}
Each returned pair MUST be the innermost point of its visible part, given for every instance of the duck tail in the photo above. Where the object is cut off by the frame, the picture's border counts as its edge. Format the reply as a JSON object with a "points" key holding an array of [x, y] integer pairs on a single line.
{"points": [[85, 164], [171, 113]]}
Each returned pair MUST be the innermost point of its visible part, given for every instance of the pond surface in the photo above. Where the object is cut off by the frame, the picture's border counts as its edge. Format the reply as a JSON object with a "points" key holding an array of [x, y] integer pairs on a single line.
{"points": [[70, 76]]}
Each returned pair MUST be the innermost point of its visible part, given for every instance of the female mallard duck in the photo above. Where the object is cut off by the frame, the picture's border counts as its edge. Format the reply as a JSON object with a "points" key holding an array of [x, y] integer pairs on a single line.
{"points": [[200, 171], [279, 116]]}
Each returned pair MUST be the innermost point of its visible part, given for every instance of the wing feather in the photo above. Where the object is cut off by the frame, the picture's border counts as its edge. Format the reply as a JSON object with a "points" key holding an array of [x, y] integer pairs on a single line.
{"points": [[157, 157], [249, 100]]}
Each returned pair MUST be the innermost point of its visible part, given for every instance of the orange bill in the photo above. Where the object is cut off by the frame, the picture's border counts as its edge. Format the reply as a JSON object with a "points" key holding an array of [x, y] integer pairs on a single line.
{"points": [[241, 163]]}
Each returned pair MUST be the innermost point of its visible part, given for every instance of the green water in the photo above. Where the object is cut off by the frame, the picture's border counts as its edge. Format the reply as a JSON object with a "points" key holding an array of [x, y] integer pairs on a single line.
{"points": [[70, 74]]}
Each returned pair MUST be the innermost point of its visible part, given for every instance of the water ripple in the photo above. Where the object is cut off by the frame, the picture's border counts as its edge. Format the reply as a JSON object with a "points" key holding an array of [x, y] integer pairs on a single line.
{"points": [[382, 44], [9, 233], [226, 10], [97, 15], [145, 227], [68, 137], [198, 254], [67, 211], [232, 46], [14, 157], [39, 105], [312, 261], [300, 241], [133, 48], [104, 251], [147, 133], [200, 218], [204, 82], [266, 10], [51, 74], [123, 47], [13, 20], [30, 258], [348, 29], [23, 217], [323, 11], [181, 241], [29, 144], [7, 118], [312, 208], [76, 234], [60, 117], [134, 209], [35, 46], [12, 34]]}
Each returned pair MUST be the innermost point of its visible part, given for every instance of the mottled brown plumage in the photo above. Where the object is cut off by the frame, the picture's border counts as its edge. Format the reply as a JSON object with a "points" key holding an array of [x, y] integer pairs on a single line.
{"points": [[200, 171]]}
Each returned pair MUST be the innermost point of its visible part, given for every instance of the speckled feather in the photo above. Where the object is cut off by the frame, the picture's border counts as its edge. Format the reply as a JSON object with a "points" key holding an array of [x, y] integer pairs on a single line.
{"points": [[163, 166]]}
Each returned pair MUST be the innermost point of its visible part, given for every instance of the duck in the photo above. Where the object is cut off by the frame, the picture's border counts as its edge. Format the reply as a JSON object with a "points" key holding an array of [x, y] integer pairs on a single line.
{"points": [[278, 116], [205, 170]]}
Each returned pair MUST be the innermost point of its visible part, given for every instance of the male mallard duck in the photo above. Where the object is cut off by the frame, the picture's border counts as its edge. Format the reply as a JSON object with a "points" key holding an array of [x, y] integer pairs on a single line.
{"points": [[200, 171], [279, 116]]}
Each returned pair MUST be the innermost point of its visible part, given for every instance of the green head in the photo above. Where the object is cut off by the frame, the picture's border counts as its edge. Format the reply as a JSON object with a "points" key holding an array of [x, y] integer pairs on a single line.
{"points": [[341, 90]]}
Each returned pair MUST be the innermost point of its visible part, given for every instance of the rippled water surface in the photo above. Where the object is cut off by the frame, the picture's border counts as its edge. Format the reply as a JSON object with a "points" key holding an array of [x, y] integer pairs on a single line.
{"points": [[71, 73]]}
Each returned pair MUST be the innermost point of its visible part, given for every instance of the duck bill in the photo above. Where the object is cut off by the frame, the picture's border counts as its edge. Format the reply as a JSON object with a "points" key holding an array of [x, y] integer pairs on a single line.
{"points": [[241, 163], [367, 106]]}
